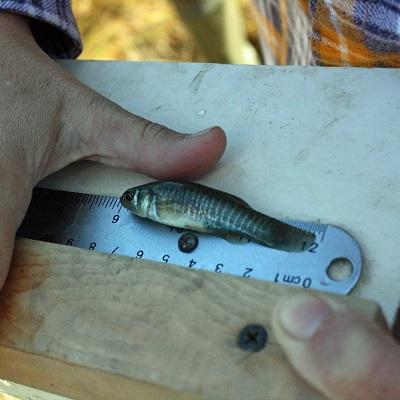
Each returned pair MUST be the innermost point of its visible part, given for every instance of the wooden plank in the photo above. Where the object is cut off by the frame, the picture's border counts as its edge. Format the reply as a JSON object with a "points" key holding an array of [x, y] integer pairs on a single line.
{"points": [[71, 380], [4, 396], [93, 326], [25, 392]]}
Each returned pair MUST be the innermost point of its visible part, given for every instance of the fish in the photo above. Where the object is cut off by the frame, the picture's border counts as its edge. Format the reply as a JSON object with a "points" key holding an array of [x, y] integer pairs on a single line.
{"points": [[199, 208]]}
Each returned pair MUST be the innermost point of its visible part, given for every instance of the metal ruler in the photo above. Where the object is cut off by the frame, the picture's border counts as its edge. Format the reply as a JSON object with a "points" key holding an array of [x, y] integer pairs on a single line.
{"points": [[100, 223]]}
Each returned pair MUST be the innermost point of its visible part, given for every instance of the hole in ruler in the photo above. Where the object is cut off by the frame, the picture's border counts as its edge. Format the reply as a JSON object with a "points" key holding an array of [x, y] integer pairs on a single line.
{"points": [[340, 269]]}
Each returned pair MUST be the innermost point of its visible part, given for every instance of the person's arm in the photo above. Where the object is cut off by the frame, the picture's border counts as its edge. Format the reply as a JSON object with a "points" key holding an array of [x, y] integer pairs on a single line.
{"points": [[48, 119]]}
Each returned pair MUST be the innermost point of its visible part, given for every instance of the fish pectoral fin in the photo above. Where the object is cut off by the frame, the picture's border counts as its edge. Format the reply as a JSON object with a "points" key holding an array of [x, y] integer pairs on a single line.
{"points": [[236, 239]]}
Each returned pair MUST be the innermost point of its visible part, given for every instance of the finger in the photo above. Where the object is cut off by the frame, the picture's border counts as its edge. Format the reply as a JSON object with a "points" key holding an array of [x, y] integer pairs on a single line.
{"points": [[337, 350], [7, 234], [396, 325], [118, 138], [14, 200], [7, 241]]}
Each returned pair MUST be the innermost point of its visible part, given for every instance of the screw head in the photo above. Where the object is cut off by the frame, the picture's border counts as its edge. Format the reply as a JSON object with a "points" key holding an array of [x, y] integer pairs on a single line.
{"points": [[253, 338], [188, 242]]}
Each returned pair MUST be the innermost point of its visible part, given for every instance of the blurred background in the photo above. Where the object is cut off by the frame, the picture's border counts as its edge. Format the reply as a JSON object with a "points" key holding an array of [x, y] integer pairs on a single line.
{"points": [[168, 30]]}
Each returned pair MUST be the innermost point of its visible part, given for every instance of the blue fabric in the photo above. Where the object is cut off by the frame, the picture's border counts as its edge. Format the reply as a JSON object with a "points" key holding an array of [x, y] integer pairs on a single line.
{"points": [[379, 19]]}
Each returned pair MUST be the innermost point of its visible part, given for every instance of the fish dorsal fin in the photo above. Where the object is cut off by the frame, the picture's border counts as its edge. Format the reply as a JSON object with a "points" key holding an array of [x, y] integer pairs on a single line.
{"points": [[238, 200]]}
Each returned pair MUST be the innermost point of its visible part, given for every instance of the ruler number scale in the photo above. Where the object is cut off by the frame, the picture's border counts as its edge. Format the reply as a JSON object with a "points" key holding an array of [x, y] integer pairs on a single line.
{"points": [[100, 223]]}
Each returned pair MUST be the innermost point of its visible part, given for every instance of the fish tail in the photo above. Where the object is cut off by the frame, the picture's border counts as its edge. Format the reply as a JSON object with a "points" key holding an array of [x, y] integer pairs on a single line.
{"points": [[282, 236]]}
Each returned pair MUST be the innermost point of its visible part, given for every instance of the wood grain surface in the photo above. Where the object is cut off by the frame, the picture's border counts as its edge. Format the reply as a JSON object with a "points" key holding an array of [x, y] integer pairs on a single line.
{"points": [[87, 325]]}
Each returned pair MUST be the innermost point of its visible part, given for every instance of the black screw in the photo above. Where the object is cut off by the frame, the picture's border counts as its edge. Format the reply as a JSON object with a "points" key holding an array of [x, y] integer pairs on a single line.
{"points": [[187, 242], [252, 338]]}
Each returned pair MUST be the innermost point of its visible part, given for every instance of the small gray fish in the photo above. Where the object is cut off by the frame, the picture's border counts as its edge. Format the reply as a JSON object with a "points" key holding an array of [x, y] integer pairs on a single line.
{"points": [[200, 208]]}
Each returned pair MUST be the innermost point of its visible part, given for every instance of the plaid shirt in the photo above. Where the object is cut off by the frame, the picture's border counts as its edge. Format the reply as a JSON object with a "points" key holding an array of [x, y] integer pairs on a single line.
{"points": [[53, 25], [329, 32], [306, 32]]}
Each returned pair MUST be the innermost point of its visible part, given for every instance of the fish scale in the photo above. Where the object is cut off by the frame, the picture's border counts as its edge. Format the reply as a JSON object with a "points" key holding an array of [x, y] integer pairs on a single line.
{"points": [[166, 202], [100, 223]]}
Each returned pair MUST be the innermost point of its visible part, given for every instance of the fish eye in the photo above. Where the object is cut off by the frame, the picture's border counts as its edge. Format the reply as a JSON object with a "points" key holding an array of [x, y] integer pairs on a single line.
{"points": [[128, 197]]}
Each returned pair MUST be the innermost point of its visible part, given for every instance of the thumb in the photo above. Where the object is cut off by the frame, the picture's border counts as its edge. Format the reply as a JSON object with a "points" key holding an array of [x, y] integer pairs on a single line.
{"points": [[116, 137], [337, 350]]}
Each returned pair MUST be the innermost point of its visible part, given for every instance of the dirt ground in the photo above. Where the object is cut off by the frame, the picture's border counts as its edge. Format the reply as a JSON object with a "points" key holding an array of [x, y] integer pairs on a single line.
{"points": [[140, 30]]}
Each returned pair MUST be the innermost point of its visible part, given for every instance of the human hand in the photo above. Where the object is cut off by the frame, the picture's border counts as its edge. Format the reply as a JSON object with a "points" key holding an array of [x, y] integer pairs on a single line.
{"points": [[48, 119], [337, 350]]}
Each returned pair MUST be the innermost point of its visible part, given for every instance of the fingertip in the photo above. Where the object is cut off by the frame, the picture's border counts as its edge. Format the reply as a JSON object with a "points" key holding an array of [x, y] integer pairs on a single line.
{"points": [[212, 139], [336, 349], [218, 137], [207, 149], [191, 156], [215, 133]]}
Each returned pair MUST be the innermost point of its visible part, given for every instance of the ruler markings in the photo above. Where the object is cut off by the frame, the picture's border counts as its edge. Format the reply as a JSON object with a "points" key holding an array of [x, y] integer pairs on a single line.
{"points": [[93, 200], [87, 199], [324, 233], [97, 229], [312, 227]]}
